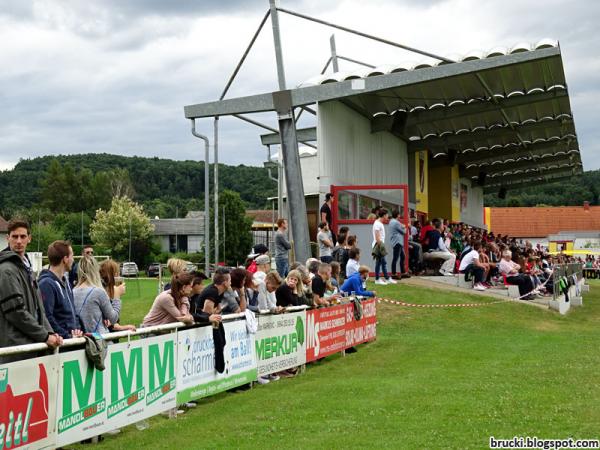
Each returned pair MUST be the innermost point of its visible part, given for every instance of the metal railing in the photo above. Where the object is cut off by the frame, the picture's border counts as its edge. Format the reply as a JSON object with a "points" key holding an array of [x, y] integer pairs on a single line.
{"points": [[29, 348]]}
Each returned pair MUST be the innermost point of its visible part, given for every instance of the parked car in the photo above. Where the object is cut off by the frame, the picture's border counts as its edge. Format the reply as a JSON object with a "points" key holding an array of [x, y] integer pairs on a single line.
{"points": [[129, 269], [190, 267], [153, 270]]}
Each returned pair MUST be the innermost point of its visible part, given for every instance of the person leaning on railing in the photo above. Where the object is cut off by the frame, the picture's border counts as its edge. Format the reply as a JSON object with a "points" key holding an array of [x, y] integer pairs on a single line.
{"points": [[22, 316], [115, 288], [172, 305]]}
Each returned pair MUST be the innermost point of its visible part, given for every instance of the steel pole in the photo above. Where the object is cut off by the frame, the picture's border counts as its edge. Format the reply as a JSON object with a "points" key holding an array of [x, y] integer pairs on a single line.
{"points": [[216, 188], [334, 59], [206, 199], [277, 42]]}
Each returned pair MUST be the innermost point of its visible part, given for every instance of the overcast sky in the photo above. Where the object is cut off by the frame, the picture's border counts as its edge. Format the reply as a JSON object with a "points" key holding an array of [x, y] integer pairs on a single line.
{"points": [[81, 76]]}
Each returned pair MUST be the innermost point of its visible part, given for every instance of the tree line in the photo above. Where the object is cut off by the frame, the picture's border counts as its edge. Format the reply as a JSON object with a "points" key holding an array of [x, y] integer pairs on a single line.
{"points": [[571, 192]]}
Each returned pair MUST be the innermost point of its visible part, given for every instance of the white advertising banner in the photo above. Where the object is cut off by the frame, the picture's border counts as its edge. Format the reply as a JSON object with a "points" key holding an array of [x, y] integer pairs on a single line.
{"points": [[27, 399], [196, 373], [138, 382], [280, 342]]}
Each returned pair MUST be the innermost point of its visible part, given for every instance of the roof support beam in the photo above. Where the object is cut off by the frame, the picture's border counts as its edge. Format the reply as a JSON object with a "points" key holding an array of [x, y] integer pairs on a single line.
{"points": [[501, 168], [304, 135], [516, 151], [525, 183], [456, 139], [336, 91], [479, 107], [541, 175]]}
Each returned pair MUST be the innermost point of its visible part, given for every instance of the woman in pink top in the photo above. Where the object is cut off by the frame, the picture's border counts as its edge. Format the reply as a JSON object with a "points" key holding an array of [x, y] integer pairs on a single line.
{"points": [[172, 305]]}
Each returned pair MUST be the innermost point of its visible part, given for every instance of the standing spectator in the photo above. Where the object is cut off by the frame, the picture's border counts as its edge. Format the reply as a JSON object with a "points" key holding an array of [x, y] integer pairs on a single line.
{"points": [[92, 303], [87, 250], [22, 316], [263, 266], [234, 299], [379, 250], [114, 287], [335, 275], [289, 292], [56, 291], [319, 284], [172, 305], [397, 233], [325, 243], [355, 283], [267, 299], [175, 266], [282, 248], [340, 252], [326, 213], [211, 296]]}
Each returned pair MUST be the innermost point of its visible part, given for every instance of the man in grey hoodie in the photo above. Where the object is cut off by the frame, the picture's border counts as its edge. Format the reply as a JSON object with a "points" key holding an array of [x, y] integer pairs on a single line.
{"points": [[22, 316]]}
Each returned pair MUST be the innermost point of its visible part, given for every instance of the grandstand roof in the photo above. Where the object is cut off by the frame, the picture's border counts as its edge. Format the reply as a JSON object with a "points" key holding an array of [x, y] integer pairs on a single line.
{"points": [[544, 221], [503, 114]]}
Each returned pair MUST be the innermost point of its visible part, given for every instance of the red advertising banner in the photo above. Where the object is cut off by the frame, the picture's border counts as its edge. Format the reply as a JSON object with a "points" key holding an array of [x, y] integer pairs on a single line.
{"points": [[27, 399], [365, 329], [325, 331]]}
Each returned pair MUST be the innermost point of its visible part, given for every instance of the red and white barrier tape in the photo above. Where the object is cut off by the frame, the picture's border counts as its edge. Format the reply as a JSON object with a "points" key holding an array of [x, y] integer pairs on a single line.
{"points": [[453, 305]]}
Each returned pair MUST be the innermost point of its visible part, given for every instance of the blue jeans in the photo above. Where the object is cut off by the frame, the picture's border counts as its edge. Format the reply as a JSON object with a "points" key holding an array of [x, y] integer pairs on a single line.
{"points": [[283, 267], [398, 254], [381, 264]]}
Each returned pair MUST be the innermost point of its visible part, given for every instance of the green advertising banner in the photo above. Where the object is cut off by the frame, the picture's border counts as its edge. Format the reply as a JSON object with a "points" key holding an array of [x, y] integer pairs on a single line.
{"points": [[138, 382], [280, 342], [196, 374]]}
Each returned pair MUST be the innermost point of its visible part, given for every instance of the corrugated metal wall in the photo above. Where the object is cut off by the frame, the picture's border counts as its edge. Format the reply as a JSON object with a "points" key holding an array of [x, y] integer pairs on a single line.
{"points": [[473, 214], [350, 154]]}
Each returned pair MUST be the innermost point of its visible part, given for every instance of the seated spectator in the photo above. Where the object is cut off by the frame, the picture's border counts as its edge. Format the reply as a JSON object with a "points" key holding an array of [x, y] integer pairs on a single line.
{"points": [[471, 264], [288, 293], [511, 269], [267, 300], [352, 265], [172, 305], [115, 288], [92, 304], [55, 289], [263, 266], [355, 282], [438, 250]]}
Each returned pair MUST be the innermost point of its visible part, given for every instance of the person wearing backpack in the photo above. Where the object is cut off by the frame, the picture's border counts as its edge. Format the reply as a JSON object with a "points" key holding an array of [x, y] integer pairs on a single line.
{"points": [[340, 253]]}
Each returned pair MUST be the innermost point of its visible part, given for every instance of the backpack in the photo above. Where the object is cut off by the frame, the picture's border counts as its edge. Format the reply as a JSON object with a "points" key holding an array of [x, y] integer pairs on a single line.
{"points": [[339, 254], [252, 267]]}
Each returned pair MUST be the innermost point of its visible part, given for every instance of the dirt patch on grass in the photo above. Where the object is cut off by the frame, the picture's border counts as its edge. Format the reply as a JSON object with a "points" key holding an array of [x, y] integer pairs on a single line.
{"points": [[546, 326]]}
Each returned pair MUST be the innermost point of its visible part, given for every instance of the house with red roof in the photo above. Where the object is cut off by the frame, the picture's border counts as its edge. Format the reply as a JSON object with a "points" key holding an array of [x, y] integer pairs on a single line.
{"points": [[563, 227]]}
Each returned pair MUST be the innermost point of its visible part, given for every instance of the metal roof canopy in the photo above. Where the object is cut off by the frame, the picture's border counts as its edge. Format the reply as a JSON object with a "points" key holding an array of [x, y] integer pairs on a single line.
{"points": [[457, 111]]}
